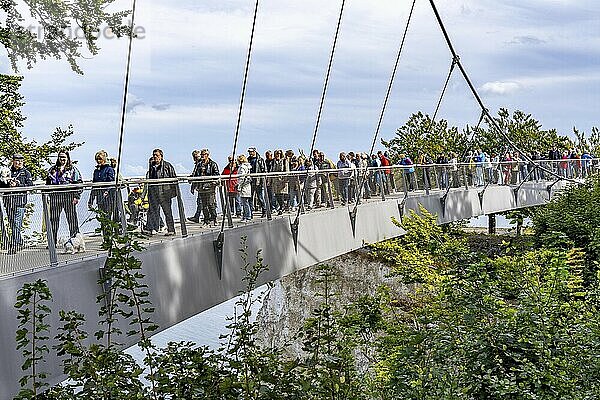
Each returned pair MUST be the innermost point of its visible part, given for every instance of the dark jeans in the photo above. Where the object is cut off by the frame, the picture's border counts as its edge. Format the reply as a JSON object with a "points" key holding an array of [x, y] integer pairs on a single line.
{"points": [[410, 180], [156, 202], [209, 206], [106, 204], [15, 222], [343, 186], [198, 207], [58, 203], [271, 196], [257, 190], [235, 203]]}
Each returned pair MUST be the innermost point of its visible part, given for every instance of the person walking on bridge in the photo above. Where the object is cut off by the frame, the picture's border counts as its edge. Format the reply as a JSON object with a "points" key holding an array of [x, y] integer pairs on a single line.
{"points": [[14, 203], [232, 186], [160, 195], [64, 173], [206, 189], [194, 187], [104, 196], [245, 187], [344, 174], [257, 167]]}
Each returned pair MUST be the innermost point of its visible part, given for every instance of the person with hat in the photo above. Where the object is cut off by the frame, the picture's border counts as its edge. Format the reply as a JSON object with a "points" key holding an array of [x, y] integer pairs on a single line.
{"points": [[14, 203], [195, 186], [206, 188], [257, 164]]}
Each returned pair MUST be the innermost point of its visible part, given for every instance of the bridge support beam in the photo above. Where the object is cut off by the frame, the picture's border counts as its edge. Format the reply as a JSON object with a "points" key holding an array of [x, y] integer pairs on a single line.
{"points": [[353, 220], [443, 203], [480, 196], [294, 228], [218, 245]]}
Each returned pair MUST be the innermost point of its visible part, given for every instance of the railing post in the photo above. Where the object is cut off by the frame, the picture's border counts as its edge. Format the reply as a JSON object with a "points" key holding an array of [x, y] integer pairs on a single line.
{"points": [[4, 235], [121, 209], [415, 177], [49, 234], [464, 174], [2, 227], [359, 189], [224, 197], [381, 185], [266, 198], [182, 220], [301, 194], [224, 194], [329, 192]]}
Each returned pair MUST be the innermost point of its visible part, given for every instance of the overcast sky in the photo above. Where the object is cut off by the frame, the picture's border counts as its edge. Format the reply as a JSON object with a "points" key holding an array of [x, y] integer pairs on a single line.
{"points": [[542, 57]]}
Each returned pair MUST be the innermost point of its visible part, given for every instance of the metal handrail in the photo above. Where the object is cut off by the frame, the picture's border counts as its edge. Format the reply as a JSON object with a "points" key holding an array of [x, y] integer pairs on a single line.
{"points": [[128, 182]]}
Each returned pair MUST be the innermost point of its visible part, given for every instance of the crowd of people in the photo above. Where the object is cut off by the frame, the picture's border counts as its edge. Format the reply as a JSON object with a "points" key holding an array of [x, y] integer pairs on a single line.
{"points": [[283, 190]]}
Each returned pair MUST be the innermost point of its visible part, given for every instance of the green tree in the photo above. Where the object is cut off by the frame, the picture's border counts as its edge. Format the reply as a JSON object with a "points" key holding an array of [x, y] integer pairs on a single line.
{"points": [[591, 143], [420, 135], [516, 326], [524, 131], [328, 364], [53, 28], [32, 336], [572, 220], [12, 140]]}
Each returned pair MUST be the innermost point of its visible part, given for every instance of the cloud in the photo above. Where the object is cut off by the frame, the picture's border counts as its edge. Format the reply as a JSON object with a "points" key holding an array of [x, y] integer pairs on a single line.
{"points": [[135, 170], [161, 106], [133, 102], [181, 169], [527, 40], [500, 88], [538, 56]]}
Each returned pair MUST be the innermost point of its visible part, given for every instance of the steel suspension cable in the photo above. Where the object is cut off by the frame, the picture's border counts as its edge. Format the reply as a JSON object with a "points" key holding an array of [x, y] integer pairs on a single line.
{"points": [[385, 103], [120, 148], [467, 147], [439, 103], [245, 82], [478, 98], [242, 98], [326, 83], [125, 95], [392, 78], [471, 140], [322, 102]]}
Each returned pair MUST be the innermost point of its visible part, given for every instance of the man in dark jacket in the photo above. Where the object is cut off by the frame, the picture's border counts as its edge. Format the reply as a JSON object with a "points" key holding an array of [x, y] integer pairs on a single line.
{"points": [[206, 188], [14, 203], [197, 158], [257, 165], [160, 195]]}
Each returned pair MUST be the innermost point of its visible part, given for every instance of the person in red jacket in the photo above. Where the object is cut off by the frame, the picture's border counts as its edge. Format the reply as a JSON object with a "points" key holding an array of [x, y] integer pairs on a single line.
{"points": [[385, 162], [233, 196]]}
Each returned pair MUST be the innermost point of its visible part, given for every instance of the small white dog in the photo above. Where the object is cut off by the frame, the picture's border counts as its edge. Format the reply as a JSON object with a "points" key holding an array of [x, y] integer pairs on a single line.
{"points": [[72, 245], [5, 177]]}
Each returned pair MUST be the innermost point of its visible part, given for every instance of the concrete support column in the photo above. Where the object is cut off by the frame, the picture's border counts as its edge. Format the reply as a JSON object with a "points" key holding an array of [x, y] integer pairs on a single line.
{"points": [[492, 224]]}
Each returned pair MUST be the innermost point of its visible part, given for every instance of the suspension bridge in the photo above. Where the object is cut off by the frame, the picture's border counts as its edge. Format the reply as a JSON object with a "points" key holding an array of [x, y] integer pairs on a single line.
{"points": [[201, 267]]}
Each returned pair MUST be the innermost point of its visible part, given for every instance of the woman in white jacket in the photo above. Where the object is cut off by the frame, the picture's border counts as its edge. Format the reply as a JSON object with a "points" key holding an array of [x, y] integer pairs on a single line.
{"points": [[245, 187]]}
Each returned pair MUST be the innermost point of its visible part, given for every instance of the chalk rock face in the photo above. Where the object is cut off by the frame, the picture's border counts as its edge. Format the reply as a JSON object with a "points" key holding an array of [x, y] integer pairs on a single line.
{"points": [[292, 299]]}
